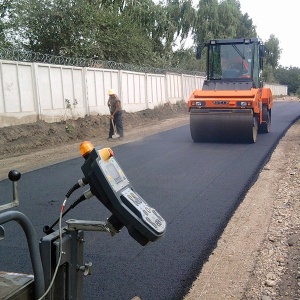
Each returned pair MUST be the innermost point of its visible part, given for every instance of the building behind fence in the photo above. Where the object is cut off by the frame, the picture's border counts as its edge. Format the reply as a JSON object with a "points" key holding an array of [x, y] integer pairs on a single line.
{"points": [[37, 91]]}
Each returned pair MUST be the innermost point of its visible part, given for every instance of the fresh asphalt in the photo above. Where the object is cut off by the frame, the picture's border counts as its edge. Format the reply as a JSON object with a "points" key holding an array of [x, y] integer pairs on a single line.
{"points": [[195, 187]]}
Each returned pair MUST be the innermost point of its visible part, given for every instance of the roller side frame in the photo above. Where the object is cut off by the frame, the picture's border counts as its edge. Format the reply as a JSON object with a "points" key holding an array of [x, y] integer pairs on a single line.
{"points": [[265, 126]]}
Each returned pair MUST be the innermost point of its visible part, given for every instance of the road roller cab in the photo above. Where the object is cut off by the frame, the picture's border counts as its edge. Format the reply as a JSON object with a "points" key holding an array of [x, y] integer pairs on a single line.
{"points": [[232, 104]]}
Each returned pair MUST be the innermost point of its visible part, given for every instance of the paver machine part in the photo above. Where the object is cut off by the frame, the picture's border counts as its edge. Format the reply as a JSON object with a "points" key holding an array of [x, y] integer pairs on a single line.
{"points": [[233, 105]]}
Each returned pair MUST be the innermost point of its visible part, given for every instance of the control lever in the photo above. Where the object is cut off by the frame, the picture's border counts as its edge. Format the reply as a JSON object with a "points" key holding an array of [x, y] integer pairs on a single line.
{"points": [[13, 176]]}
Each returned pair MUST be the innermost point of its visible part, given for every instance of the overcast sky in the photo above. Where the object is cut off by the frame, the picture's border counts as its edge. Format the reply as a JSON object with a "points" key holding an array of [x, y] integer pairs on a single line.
{"points": [[280, 18]]}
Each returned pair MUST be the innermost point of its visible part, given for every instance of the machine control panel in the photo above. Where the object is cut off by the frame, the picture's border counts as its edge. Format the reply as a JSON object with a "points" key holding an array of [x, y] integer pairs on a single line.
{"points": [[111, 186], [141, 208], [113, 174]]}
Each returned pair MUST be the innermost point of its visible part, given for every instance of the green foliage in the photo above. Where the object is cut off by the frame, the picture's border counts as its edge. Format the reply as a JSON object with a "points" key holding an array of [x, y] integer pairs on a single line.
{"points": [[274, 51], [222, 20], [185, 59], [268, 74], [206, 25], [70, 128], [290, 77], [5, 11], [245, 27], [68, 119], [229, 16]]}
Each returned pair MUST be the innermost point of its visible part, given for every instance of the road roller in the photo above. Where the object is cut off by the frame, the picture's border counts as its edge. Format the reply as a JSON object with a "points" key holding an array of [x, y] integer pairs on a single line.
{"points": [[232, 105]]}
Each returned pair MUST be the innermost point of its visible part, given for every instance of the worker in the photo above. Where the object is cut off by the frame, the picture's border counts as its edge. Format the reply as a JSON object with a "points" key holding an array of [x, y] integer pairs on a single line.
{"points": [[243, 67], [237, 67], [114, 105]]}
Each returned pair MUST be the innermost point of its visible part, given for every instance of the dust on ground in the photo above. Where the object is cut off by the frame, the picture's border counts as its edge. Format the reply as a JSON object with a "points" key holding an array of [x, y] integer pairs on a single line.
{"points": [[258, 255]]}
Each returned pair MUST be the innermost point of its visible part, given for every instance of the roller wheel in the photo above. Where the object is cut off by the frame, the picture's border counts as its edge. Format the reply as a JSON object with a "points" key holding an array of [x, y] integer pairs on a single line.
{"points": [[228, 126], [251, 134], [254, 129], [196, 136], [265, 127]]}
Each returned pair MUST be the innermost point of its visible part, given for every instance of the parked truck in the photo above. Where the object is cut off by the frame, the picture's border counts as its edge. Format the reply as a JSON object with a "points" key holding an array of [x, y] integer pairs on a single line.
{"points": [[232, 105]]}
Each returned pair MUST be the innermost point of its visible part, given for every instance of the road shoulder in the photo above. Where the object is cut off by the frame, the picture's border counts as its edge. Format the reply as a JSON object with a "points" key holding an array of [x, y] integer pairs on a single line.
{"points": [[254, 255]]}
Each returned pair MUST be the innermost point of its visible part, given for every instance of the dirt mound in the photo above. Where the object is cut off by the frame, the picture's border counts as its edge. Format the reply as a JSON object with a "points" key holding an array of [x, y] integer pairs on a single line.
{"points": [[21, 139]]}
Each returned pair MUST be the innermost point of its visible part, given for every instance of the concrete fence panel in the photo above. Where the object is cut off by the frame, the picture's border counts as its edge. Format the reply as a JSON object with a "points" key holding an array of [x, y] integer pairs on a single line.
{"points": [[44, 87], [156, 90], [17, 93], [174, 87], [60, 92], [133, 91], [191, 83], [26, 88], [277, 89], [98, 83]]}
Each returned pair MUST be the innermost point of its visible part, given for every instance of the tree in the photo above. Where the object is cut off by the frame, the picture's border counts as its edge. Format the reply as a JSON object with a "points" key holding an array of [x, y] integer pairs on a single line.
{"points": [[268, 74], [229, 18], [273, 51], [290, 77], [173, 21], [80, 28], [271, 59], [246, 29], [221, 20], [206, 25], [130, 31], [185, 59]]}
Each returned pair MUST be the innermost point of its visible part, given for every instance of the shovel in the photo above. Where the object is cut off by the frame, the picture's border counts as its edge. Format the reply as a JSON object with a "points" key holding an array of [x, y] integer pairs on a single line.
{"points": [[115, 135]]}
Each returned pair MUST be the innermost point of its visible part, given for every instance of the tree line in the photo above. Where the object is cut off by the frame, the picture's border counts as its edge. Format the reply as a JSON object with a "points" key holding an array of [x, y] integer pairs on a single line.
{"points": [[142, 32]]}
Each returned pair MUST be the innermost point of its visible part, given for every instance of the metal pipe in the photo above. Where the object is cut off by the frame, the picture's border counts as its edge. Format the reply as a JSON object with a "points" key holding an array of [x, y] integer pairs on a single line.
{"points": [[32, 246]]}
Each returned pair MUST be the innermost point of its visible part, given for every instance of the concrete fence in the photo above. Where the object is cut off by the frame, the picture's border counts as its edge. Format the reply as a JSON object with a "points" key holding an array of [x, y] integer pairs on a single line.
{"points": [[277, 89], [33, 91]]}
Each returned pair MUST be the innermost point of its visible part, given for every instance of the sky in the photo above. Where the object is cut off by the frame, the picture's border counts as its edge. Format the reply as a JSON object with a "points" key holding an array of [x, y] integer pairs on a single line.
{"points": [[281, 19]]}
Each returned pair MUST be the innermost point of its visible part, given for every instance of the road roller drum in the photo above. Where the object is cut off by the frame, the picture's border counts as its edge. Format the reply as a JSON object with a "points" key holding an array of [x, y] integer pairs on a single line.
{"points": [[223, 126]]}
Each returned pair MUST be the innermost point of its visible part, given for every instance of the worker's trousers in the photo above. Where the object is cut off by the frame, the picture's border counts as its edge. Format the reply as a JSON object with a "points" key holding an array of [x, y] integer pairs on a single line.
{"points": [[118, 123]]}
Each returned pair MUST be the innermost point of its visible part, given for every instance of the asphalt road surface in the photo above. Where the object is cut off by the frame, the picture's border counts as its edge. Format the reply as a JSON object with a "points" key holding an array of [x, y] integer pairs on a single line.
{"points": [[195, 187]]}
